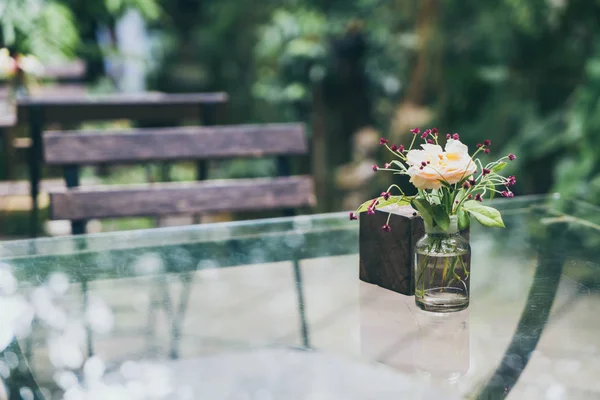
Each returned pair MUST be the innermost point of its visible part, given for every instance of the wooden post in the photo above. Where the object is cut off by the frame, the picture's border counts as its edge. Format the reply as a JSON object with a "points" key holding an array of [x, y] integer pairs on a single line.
{"points": [[386, 258], [36, 126]]}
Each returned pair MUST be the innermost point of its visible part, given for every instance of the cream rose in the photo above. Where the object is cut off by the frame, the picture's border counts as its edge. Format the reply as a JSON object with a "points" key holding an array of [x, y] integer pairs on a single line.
{"points": [[430, 166]]}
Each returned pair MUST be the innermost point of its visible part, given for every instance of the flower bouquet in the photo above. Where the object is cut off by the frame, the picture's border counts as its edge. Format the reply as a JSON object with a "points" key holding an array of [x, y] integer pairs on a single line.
{"points": [[451, 185]]}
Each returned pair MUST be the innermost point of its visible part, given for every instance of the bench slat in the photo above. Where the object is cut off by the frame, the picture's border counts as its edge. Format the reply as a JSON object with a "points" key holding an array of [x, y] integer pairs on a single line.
{"points": [[183, 143], [138, 107], [176, 198]]}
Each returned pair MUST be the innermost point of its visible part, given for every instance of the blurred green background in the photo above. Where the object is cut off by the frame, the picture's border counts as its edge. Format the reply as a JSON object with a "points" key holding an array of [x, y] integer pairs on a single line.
{"points": [[523, 73]]}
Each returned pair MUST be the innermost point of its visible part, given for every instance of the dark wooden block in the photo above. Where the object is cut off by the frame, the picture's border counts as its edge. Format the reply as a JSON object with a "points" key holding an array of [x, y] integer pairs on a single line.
{"points": [[386, 258]]}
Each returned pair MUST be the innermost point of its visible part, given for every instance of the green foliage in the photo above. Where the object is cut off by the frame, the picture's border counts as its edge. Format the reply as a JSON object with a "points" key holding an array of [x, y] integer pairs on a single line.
{"points": [[209, 46], [512, 71], [45, 29], [524, 73], [49, 30], [291, 53], [148, 8], [303, 46], [577, 172]]}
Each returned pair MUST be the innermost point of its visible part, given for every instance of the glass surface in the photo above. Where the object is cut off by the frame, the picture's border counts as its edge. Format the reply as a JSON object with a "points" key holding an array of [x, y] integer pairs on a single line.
{"points": [[152, 305]]}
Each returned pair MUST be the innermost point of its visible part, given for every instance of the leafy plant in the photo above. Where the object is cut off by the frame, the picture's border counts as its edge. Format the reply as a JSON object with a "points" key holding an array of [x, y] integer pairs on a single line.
{"points": [[291, 52], [45, 29]]}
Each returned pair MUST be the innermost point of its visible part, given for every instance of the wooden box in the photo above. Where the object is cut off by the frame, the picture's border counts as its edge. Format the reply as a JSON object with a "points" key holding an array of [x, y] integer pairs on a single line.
{"points": [[386, 258]]}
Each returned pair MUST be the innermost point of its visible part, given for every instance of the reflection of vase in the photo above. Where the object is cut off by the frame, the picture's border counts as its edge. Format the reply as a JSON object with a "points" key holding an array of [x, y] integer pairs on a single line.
{"points": [[442, 349], [442, 268]]}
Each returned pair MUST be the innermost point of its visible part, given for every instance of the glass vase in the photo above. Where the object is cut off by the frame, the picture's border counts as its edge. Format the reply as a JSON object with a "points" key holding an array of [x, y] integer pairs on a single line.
{"points": [[442, 269]]}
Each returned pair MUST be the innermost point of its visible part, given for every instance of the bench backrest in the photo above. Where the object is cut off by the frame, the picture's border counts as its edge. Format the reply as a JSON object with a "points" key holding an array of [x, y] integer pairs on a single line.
{"points": [[148, 107], [71, 149]]}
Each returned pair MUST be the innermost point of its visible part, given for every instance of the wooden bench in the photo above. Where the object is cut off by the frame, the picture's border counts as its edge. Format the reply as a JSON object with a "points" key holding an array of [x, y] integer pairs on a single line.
{"points": [[39, 111], [72, 149], [72, 71], [79, 203], [64, 79]]}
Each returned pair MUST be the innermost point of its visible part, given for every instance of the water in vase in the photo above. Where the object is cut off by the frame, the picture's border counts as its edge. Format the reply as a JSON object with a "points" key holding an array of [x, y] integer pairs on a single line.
{"points": [[442, 280]]}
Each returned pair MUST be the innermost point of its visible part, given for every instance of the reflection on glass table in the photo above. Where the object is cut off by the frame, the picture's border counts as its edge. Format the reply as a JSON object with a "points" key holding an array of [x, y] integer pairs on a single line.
{"points": [[268, 301]]}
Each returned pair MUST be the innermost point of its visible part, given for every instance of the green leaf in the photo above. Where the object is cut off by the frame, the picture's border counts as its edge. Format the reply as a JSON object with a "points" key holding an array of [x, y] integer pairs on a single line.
{"points": [[441, 217], [364, 206], [424, 208], [463, 219], [499, 167], [399, 200], [485, 215]]}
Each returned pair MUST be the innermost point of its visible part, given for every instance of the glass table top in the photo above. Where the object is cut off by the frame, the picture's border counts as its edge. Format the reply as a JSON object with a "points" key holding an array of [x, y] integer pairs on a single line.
{"points": [[252, 309]]}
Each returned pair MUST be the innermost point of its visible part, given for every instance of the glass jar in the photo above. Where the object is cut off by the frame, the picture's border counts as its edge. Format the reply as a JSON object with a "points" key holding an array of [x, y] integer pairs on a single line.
{"points": [[442, 269]]}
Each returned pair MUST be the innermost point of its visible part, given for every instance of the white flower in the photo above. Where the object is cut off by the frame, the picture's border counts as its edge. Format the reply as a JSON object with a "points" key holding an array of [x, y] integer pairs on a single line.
{"points": [[429, 167]]}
